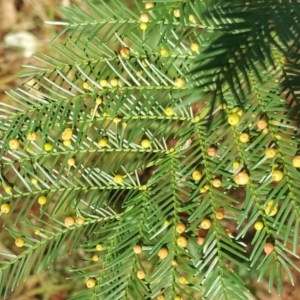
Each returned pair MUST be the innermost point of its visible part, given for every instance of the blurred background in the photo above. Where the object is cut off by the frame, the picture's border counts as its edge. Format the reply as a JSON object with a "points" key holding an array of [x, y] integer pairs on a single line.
{"points": [[23, 33]]}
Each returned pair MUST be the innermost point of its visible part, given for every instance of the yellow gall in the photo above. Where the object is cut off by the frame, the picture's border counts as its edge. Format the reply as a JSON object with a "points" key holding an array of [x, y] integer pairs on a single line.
{"points": [[174, 262], [140, 274], [205, 224], [216, 182], [182, 242], [90, 283], [262, 124], [271, 153], [268, 248], [271, 211], [244, 137], [48, 147], [37, 232], [8, 189], [191, 18], [103, 143], [220, 215], [182, 280], [116, 120], [200, 240], [235, 164], [277, 175], [195, 47], [296, 161], [212, 151], [176, 13], [137, 249], [206, 187], [144, 63], [103, 82], [179, 82], [125, 52], [163, 51], [149, 5], [143, 26], [145, 143], [241, 178], [95, 258], [98, 101], [161, 297], [233, 119], [99, 247], [34, 181], [105, 114], [144, 18], [196, 175], [118, 179], [180, 228], [67, 134], [138, 73], [114, 82], [258, 225], [67, 143], [166, 223], [5, 208], [163, 253], [42, 200], [169, 111], [177, 298], [284, 60], [71, 162], [32, 136], [79, 220], [19, 242], [85, 85], [14, 144], [69, 221]]}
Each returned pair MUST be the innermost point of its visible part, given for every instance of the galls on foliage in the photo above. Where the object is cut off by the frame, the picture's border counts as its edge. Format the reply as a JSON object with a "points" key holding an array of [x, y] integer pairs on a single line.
{"points": [[296, 161], [205, 224], [216, 182], [220, 215], [182, 242], [277, 175], [19, 242], [233, 119], [144, 18], [79, 220], [103, 143], [268, 248], [137, 249], [42, 200], [48, 147], [71, 162], [179, 82], [161, 297], [32, 136], [143, 26], [140, 274], [262, 124], [180, 228], [69, 221], [271, 153], [169, 111], [258, 225], [182, 280], [125, 52], [235, 164], [90, 283], [241, 178], [34, 181], [163, 253], [212, 151], [14, 144], [196, 175], [118, 179], [145, 143], [200, 240], [5, 208], [149, 5], [99, 247], [85, 85], [244, 137], [67, 134], [195, 47], [176, 13]]}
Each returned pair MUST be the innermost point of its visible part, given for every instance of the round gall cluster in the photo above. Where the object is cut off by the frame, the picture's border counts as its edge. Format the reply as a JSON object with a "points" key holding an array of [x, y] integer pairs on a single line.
{"points": [[137, 249], [5, 208], [13, 144], [241, 178], [145, 143], [118, 179], [233, 119], [69, 221], [196, 175], [182, 242], [205, 224], [19, 242], [277, 175], [180, 228], [90, 283], [163, 253]]}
